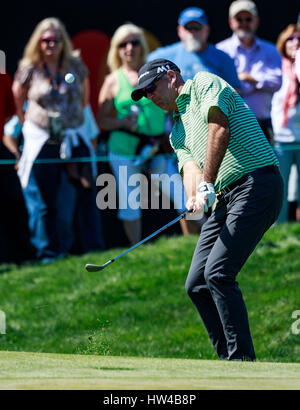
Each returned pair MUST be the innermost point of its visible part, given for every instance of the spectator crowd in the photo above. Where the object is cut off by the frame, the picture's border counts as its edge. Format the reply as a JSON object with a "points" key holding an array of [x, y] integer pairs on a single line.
{"points": [[49, 135]]}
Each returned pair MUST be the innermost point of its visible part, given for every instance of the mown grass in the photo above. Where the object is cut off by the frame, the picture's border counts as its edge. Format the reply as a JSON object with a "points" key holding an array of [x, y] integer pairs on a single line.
{"points": [[36, 371], [138, 305]]}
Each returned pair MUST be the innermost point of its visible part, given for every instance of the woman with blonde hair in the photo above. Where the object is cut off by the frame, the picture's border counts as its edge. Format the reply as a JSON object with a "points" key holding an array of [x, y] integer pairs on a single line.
{"points": [[129, 123], [53, 128], [285, 115], [33, 53], [114, 59]]}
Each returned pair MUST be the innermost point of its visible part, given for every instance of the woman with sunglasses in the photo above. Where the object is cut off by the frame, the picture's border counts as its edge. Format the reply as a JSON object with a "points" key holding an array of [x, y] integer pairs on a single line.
{"points": [[131, 125], [53, 128], [286, 118]]}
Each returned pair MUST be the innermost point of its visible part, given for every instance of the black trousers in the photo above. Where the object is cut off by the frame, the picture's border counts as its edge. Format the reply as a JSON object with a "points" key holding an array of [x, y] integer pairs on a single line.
{"points": [[266, 126], [48, 178], [14, 230], [227, 239]]}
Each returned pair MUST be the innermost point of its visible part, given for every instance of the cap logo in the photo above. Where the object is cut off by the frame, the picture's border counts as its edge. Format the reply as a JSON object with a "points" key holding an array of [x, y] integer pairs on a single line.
{"points": [[193, 13], [142, 75], [163, 68]]}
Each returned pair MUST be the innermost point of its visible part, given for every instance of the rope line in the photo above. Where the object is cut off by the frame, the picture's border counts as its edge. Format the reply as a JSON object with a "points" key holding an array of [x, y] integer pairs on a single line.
{"points": [[81, 159]]}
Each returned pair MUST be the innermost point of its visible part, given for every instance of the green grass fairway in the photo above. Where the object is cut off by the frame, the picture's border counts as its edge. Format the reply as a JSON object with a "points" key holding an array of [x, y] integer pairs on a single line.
{"points": [[36, 371], [138, 307]]}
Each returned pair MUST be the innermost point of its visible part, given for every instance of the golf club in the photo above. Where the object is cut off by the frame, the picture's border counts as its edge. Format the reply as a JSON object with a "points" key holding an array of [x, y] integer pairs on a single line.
{"points": [[94, 268]]}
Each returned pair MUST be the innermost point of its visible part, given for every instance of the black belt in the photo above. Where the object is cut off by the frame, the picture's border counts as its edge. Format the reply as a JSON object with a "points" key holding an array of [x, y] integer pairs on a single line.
{"points": [[258, 171]]}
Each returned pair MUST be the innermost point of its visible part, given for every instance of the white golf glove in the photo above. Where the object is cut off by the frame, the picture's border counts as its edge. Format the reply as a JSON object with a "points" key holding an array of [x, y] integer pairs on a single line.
{"points": [[206, 194]]}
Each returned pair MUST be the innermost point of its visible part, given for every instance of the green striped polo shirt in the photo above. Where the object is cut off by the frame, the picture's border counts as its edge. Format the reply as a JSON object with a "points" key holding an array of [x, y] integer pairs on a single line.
{"points": [[248, 148]]}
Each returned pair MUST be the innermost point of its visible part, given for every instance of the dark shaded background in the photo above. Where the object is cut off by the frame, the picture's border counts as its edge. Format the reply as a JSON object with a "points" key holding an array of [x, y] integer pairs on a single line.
{"points": [[157, 16]]}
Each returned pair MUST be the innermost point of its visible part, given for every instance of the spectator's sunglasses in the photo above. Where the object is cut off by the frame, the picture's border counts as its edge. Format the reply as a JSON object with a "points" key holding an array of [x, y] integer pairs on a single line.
{"points": [[134, 43], [48, 40], [246, 19], [193, 26], [291, 38]]}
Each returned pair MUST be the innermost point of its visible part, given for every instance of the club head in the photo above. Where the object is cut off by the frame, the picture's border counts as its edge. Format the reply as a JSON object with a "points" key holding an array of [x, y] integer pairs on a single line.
{"points": [[93, 268]]}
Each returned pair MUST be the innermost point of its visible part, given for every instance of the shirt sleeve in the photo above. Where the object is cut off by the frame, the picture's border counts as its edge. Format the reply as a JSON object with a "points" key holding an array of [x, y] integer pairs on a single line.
{"points": [[24, 75], [182, 152]]}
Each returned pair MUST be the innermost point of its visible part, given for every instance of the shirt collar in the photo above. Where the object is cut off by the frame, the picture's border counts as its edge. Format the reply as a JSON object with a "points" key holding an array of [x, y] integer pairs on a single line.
{"points": [[183, 99], [237, 43]]}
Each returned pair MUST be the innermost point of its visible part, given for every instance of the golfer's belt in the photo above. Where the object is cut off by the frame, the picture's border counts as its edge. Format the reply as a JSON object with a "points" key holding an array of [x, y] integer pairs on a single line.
{"points": [[258, 171]]}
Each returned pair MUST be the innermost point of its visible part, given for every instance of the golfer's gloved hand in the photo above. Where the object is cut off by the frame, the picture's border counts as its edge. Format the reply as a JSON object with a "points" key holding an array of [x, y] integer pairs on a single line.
{"points": [[206, 195]]}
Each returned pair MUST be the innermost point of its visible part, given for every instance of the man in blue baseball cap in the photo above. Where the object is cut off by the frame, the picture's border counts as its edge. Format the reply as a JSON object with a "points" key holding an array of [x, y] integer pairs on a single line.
{"points": [[193, 53]]}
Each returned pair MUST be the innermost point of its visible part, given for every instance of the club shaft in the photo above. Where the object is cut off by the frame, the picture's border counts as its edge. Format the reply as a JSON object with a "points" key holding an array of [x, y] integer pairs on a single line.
{"points": [[152, 235], [95, 268]]}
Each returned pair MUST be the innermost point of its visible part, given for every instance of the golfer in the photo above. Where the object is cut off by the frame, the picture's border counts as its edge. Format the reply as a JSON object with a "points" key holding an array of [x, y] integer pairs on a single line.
{"points": [[229, 168]]}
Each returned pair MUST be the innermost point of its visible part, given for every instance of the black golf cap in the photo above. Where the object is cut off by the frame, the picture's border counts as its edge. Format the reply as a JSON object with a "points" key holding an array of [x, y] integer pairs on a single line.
{"points": [[150, 72]]}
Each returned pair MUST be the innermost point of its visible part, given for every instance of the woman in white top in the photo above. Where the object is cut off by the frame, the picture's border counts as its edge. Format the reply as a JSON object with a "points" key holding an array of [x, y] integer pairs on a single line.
{"points": [[285, 113]]}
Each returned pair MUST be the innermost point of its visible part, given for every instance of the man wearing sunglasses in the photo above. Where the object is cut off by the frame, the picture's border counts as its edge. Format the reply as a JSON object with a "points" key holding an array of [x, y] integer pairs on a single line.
{"points": [[223, 156], [193, 53], [258, 62]]}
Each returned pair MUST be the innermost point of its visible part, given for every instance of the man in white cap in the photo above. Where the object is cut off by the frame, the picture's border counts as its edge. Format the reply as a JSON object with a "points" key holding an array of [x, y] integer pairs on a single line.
{"points": [[257, 61]]}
